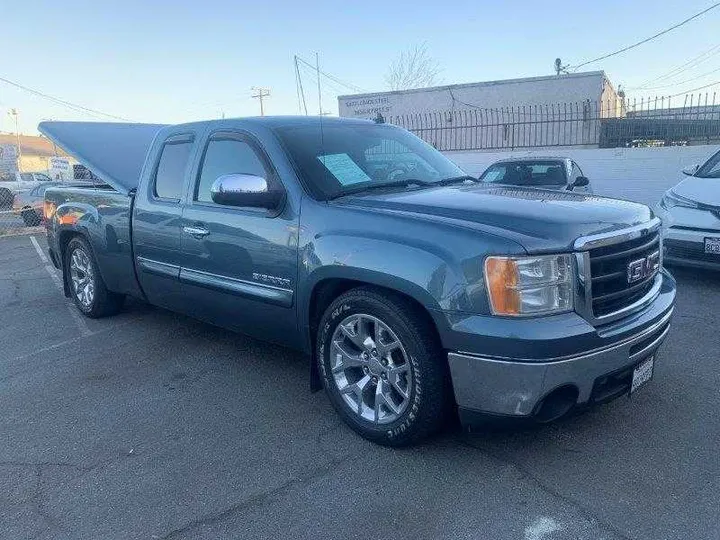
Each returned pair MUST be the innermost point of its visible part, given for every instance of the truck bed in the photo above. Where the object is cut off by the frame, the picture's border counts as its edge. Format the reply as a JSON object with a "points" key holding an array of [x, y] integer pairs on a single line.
{"points": [[102, 214]]}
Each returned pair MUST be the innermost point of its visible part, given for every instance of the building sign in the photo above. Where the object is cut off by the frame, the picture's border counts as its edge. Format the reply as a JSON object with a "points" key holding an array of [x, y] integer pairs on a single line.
{"points": [[8, 158], [60, 168], [366, 107]]}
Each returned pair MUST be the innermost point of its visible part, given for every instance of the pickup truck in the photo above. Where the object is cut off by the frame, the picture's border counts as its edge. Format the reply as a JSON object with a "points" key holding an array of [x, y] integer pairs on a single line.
{"points": [[417, 292]]}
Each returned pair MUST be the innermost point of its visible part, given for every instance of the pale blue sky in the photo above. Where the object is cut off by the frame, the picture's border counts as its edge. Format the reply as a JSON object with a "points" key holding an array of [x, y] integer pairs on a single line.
{"points": [[174, 61]]}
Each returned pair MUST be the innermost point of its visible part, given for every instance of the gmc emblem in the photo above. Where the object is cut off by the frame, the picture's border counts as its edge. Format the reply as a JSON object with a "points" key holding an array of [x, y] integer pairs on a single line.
{"points": [[643, 268]]}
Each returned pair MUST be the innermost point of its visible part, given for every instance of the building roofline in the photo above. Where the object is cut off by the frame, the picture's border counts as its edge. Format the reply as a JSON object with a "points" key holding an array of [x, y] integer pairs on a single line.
{"points": [[476, 84]]}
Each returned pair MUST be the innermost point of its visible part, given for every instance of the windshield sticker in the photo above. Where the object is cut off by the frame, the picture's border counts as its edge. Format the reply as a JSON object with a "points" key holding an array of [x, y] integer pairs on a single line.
{"points": [[344, 169]]}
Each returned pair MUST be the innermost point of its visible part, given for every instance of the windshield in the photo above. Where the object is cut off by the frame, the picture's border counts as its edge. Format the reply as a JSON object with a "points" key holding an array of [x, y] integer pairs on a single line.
{"points": [[348, 158], [711, 168], [526, 173]]}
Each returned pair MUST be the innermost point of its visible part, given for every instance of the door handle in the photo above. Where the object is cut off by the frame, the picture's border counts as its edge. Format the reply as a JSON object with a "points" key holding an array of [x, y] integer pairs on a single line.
{"points": [[197, 232]]}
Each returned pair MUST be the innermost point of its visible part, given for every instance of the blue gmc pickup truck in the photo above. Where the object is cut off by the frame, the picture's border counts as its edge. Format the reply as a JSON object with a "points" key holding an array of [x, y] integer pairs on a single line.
{"points": [[417, 291]]}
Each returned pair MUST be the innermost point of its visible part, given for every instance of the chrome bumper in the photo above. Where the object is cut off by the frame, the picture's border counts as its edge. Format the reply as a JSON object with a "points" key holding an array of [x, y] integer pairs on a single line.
{"points": [[512, 387]]}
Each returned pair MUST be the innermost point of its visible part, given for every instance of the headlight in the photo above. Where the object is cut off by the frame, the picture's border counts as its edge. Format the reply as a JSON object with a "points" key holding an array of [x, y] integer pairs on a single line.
{"points": [[671, 199], [540, 285]]}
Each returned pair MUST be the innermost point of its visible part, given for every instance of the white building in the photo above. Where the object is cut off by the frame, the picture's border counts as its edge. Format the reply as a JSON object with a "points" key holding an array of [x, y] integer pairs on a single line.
{"points": [[567, 88]]}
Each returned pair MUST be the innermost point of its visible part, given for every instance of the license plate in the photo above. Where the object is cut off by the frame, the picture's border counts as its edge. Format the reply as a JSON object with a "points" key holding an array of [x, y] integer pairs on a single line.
{"points": [[642, 373], [712, 245]]}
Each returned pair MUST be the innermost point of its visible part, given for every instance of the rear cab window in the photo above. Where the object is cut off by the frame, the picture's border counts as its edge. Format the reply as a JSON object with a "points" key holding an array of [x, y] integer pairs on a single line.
{"points": [[171, 168]]}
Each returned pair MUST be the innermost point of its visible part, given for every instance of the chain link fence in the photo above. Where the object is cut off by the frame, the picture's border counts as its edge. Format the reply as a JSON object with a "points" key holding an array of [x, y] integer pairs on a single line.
{"points": [[694, 119], [21, 210]]}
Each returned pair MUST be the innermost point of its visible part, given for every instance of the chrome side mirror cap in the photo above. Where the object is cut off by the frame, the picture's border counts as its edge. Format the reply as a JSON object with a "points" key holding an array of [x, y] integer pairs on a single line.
{"points": [[248, 190]]}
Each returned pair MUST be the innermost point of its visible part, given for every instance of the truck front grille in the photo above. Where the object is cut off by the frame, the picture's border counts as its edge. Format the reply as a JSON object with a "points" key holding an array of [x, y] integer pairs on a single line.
{"points": [[611, 289]]}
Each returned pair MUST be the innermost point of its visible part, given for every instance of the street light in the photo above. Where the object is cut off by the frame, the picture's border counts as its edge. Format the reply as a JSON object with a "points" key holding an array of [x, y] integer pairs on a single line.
{"points": [[13, 112]]}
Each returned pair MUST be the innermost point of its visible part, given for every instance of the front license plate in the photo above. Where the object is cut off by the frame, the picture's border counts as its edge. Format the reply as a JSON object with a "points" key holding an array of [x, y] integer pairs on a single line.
{"points": [[643, 373], [712, 245]]}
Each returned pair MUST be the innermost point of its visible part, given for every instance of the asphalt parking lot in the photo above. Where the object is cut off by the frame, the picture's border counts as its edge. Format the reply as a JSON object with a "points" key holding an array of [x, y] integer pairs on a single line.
{"points": [[152, 425]]}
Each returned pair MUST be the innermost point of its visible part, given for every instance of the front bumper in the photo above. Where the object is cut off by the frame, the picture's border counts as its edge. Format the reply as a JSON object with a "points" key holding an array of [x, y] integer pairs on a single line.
{"points": [[684, 232], [515, 387], [686, 247]]}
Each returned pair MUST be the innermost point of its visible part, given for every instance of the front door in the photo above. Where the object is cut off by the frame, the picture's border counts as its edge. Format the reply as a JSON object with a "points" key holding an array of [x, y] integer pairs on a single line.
{"points": [[239, 265]]}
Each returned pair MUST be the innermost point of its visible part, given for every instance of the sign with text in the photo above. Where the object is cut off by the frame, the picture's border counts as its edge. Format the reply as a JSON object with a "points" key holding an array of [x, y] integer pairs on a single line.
{"points": [[8, 158]]}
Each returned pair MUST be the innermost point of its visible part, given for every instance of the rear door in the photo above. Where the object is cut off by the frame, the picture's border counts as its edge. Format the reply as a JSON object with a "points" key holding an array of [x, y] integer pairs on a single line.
{"points": [[239, 265], [157, 221]]}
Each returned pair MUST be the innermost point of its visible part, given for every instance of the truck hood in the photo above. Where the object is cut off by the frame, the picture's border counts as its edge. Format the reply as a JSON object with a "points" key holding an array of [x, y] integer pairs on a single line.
{"points": [[539, 220], [705, 191], [114, 151]]}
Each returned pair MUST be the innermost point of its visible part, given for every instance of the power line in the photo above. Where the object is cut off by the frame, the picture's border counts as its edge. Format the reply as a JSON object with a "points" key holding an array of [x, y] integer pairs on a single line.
{"points": [[694, 89], [693, 62], [332, 77], [678, 25], [59, 101], [681, 82], [312, 72]]}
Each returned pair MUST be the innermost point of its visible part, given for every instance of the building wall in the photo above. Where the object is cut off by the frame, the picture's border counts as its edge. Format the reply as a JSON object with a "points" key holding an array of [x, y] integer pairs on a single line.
{"points": [[635, 174], [576, 87], [35, 151]]}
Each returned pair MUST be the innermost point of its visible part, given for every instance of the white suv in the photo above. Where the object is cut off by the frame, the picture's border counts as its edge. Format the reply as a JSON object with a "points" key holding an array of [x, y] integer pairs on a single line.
{"points": [[690, 212]]}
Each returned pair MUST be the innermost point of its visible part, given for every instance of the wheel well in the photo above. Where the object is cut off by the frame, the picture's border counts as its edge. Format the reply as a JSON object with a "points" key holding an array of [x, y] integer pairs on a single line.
{"points": [[63, 240], [328, 290]]}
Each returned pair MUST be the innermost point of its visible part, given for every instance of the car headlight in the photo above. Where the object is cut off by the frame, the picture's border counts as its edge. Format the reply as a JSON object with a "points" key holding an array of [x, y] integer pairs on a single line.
{"points": [[671, 199], [522, 286]]}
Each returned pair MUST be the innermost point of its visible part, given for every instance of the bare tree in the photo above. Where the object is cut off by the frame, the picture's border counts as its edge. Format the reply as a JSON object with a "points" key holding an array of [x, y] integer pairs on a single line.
{"points": [[414, 68]]}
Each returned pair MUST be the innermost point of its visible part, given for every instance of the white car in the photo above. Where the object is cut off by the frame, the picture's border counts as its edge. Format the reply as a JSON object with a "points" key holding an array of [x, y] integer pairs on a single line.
{"points": [[17, 182], [690, 212]]}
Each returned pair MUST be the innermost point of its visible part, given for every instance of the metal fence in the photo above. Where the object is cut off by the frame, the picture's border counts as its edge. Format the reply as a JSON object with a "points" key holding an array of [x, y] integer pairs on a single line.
{"points": [[694, 119], [18, 214]]}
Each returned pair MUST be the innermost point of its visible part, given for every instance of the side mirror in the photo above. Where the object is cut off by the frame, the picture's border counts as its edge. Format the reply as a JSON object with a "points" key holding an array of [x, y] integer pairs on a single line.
{"points": [[690, 171], [581, 181], [244, 190]]}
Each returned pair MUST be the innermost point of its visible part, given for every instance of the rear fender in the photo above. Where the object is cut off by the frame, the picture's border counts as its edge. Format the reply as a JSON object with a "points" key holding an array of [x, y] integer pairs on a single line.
{"points": [[69, 220]]}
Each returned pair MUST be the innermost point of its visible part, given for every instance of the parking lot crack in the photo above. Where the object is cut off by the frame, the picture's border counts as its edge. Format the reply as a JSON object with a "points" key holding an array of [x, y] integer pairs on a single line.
{"points": [[525, 473], [254, 500]]}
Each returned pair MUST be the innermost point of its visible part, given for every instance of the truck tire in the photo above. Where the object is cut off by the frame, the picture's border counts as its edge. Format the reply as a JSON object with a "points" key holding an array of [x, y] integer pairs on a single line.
{"points": [[87, 287], [6, 199], [382, 367]]}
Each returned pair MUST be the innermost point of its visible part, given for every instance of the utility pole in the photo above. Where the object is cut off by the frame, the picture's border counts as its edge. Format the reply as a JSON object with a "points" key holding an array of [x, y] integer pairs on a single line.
{"points": [[260, 94], [14, 113]]}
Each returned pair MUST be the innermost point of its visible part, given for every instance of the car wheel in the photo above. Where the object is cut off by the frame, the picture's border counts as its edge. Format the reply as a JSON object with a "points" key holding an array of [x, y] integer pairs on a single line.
{"points": [[30, 218], [87, 287], [6, 199], [382, 367]]}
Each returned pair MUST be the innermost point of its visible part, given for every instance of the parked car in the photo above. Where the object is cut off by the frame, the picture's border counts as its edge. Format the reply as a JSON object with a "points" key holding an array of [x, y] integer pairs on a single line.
{"points": [[16, 182], [29, 204], [690, 212], [412, 287], [558, 173]]}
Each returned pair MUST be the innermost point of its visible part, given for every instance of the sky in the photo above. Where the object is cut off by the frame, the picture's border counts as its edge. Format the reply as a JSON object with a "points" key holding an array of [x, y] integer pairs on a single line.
{"points": [[176, 61]]}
